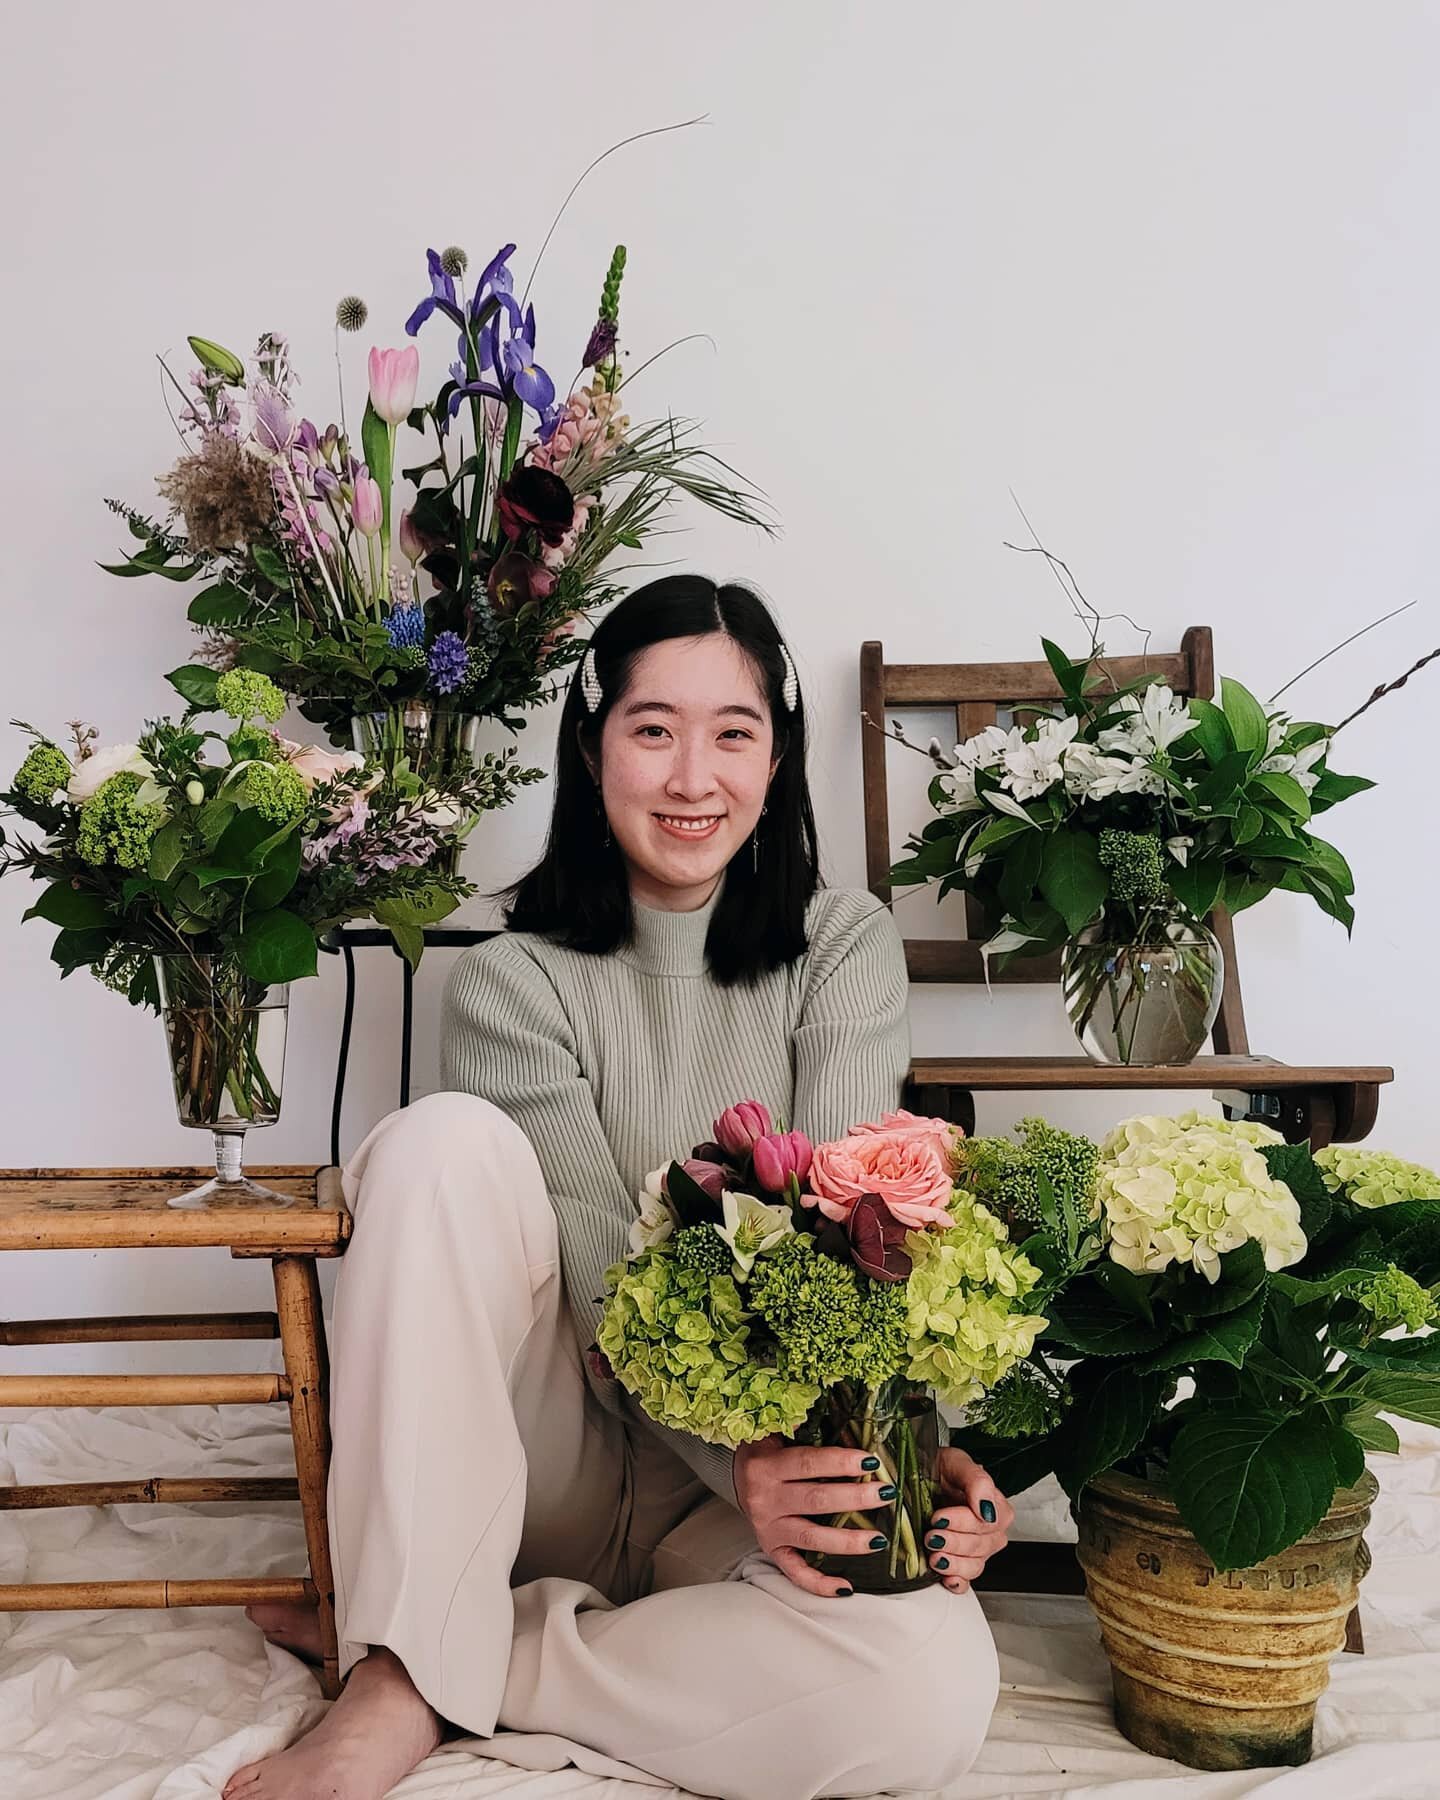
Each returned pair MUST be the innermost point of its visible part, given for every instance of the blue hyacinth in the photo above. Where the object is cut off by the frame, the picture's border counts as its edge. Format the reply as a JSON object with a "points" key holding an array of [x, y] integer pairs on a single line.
{"points": [[406, 626], [449, 662]]}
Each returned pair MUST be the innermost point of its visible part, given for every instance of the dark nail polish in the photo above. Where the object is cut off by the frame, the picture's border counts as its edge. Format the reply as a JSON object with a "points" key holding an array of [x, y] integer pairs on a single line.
{"points": [[941, 1524], [843, 1593], [878, 1542], [871, 1462], [987, 1511], [887, 1493], [942, 1562], [935, 1543]]}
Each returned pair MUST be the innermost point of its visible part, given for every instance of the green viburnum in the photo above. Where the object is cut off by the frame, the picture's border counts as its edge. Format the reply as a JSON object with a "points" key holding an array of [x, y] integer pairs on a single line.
{"points": [[702, 1247], [1022, 1404], [1187, 1189], [1136, 863], [44, 771], [1374, 1177], [275, 791], [1394, 1298], [245, 694], [249, 743], [117, 828], [966, 1321], [679, 1340], [830, 1322]]}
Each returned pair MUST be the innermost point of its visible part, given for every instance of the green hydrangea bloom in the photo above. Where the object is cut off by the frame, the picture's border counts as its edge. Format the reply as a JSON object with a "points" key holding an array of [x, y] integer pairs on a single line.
{"points": [[702, 1247], [1136, 863], [1394, 1298], [1022, 1404], [245, 694], [1374, 1177], [966, 1321], [276, 791], [44, 771], [827, 1322], [679, 1340], [115, 827]]}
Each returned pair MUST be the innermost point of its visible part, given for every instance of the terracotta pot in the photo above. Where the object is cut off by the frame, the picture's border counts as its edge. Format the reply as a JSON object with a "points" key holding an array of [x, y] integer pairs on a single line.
{"points": [[1220, 1671]]}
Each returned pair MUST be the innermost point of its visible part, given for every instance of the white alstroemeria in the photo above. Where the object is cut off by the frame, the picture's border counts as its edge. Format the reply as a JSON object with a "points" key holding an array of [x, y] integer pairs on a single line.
{"points": [[657, 1219], [1008, 937], [96, 769], [1152, 722], [1033, 765], [1180, 848], [983, 751], [1300, 765], [1095, 777], [1007, 803], [751, 1228]]}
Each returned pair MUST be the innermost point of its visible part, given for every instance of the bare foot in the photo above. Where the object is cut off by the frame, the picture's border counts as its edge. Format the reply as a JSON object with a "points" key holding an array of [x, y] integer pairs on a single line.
{"points": [[377, 1732], [290, 1624]]}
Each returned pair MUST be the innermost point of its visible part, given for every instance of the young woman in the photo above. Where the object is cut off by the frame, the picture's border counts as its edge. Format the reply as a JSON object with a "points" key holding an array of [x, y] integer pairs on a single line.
{"points": [[516, 1546]]}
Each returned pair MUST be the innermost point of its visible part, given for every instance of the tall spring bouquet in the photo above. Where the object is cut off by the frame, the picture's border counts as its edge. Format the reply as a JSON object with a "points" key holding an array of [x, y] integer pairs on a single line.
{"points": [[822, 1292], [509, 526]]}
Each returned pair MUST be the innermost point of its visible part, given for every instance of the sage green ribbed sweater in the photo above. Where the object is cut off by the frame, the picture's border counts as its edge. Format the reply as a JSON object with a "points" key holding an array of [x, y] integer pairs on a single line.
{"points": [[614, 1064]]}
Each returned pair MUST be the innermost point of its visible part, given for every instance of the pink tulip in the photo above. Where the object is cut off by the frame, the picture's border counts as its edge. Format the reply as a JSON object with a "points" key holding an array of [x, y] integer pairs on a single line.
{"points": [[368, 507], [738, 1127], [779, 1156], [411, 545], [393, 376]]}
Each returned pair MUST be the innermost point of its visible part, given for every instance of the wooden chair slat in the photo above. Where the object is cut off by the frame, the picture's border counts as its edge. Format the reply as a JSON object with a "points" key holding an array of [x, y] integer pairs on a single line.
{"points": [[140, 1328], [87, 1596], [157, 1490]]}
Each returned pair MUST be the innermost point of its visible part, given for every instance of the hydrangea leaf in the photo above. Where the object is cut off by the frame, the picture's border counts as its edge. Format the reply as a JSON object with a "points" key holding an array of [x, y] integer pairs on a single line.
{"points": [[1249, 1483]]}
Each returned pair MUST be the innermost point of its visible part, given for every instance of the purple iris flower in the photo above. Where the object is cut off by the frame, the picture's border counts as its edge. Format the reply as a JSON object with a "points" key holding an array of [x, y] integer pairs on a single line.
{"points": [[441, 295]]}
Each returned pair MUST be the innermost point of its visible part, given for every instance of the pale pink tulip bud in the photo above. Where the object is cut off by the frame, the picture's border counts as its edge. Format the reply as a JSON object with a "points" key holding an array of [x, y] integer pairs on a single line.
{"points": [[779, 1156], [368, 507], [393, 376], [410, 544], [738, 1127]]}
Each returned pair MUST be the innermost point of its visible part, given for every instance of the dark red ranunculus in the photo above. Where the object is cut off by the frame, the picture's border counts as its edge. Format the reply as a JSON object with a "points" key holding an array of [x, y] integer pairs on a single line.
{"points": [[515, 579], [535, 499], [877, 1240]]}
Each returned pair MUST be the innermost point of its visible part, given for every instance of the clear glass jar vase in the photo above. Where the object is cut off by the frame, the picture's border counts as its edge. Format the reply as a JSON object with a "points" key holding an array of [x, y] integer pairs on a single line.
{"points": [[436, 740], [225, 1035], [899, 1424], [1149, 1002]]}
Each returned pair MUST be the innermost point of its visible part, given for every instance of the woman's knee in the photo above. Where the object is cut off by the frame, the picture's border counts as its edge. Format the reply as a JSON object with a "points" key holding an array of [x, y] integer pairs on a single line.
{"points": [[447, 1147]]}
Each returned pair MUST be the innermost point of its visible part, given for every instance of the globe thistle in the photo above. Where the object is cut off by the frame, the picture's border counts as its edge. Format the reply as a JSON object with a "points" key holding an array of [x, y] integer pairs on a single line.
{"points": [[1136, 864], [454, 261], [1022, 1404], [702, 1247], [276, 791], [115, 827], [1394, 1298], [45, 770], [351, 313], [448, 663], [244, 694]]}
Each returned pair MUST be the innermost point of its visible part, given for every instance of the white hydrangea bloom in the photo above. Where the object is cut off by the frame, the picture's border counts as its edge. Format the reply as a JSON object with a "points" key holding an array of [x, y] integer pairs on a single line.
{"points": [[1189, 1189]]}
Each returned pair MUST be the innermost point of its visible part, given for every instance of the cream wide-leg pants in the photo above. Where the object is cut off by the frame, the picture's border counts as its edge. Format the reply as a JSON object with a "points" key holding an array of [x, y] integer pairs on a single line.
{"points": [[539, 1566]]}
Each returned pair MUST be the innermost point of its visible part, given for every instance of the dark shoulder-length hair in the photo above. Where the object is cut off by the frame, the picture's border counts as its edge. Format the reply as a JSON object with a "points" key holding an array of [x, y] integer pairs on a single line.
{"points": [[578, 894]]}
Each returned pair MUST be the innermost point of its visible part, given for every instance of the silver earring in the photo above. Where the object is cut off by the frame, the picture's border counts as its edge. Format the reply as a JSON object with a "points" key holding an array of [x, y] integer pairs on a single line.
{"points": [[755, 845]]}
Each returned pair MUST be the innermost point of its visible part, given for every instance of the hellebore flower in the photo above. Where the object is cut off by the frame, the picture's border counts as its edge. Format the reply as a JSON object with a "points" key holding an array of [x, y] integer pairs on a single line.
{"points": [[877, 1240], [710, 1176], [538, 498], [368, 508], [393, 375], [515, 579]]}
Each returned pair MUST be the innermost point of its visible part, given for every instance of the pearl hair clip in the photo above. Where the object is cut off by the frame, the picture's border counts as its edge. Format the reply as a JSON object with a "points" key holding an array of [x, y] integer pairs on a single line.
{"points": [[593, 693]]}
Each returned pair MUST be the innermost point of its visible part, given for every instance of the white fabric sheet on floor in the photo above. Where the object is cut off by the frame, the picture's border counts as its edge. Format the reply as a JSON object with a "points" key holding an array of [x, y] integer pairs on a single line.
{"points": [[166, 1705]]}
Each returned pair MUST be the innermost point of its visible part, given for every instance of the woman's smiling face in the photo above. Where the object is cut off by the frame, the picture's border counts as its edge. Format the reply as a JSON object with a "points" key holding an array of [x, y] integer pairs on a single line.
{"points": [[685, 761]]}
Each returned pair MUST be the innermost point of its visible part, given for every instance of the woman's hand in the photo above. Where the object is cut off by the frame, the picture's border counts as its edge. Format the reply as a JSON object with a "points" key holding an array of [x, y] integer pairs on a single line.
{"points": [[780, 1484], [972, 1522]]}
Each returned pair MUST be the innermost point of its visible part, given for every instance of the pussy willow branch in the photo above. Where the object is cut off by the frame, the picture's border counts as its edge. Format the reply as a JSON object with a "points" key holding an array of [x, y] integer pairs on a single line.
{"points": [[1387, 687]]}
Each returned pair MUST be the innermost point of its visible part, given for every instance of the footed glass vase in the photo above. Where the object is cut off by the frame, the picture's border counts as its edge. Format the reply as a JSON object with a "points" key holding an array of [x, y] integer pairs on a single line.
{"points": [[1147, 1001], [899, 1424], [225, 1035]]}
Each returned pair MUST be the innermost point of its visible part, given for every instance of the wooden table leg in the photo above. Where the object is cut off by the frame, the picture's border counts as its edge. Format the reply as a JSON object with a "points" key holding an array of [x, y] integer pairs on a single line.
{"points": [[302, 1338]]}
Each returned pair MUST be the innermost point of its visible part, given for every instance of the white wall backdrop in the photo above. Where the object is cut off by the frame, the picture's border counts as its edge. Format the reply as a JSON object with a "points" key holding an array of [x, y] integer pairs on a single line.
{"points": [[1169, 273]]}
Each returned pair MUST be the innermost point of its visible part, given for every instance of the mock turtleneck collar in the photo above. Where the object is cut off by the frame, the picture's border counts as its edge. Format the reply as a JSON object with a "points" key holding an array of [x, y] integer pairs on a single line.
{"points": [[670, 943]]}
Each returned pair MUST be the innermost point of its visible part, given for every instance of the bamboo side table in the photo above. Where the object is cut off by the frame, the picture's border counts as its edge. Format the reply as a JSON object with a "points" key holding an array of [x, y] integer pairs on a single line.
{"points": [[125, 1209]]}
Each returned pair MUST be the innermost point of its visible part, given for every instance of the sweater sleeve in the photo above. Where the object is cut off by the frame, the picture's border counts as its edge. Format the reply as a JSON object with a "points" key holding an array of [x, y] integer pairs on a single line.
{"points": [[506, 1037], [852, 1042]]}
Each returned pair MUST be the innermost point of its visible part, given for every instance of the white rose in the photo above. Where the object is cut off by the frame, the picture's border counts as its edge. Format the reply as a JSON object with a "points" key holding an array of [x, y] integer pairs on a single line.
{"points": [[96, 770]]}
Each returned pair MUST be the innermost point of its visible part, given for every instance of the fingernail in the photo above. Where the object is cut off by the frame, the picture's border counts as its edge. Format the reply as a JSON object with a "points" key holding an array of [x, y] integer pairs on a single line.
{"points": [[942, 1562], [878, 1542], [871, 1462], [887, 1493], [987, 1511], [935, 1543], [942, 1524], [843, 1593]]}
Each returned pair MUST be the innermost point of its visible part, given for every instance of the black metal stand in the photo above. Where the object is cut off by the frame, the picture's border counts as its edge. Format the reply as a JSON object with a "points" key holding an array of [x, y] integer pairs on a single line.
{"points": [[345, 941]]}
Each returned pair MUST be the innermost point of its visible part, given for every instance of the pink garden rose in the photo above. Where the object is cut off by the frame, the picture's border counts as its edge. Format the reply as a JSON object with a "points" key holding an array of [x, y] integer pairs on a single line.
{"points": [[909, 1174], [907, 1126]]}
